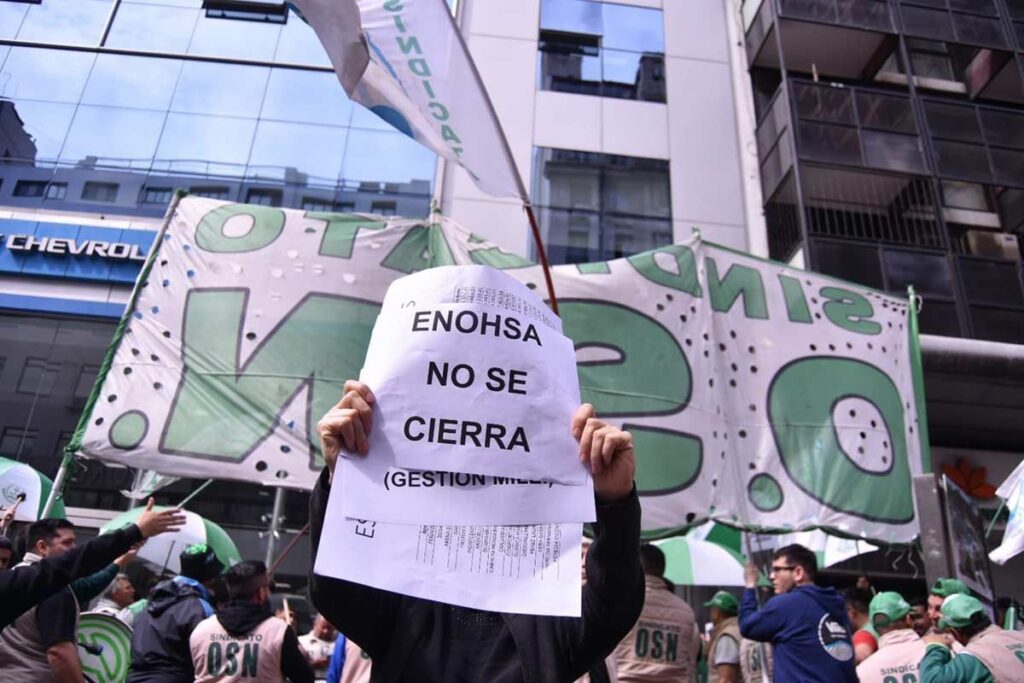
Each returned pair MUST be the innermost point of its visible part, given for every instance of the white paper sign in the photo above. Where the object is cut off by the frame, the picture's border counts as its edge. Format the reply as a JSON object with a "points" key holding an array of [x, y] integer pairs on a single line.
{"points": [[478, 388], [391, 494], [531, 569]]}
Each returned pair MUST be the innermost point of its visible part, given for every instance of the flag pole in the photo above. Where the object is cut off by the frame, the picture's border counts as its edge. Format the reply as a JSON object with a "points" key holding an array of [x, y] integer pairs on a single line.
{"points": [[520, 186]]}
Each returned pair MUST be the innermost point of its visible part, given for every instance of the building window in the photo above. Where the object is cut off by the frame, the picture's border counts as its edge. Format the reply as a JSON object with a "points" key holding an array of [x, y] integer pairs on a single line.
{"points": [[319, 204], [40, 188], [263, 196], [38, 376], [602, 48], [86, 379], [157, 195], [210, 192], [968, 22], [15, 442], [247, 10], [94, 191], [384, 208], [596, 207]]}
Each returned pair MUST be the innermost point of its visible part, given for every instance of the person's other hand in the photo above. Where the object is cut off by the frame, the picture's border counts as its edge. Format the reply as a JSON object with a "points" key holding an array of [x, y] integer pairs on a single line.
{"points": [[863, 583], [8, 516], [607, 451], [750, 575], [127, 558], [347, 424], [938, 638], [152, 523]]}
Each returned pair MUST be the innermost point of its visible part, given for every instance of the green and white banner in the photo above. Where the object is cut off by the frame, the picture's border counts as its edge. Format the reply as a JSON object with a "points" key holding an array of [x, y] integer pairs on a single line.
{"points": [[758, 394]]}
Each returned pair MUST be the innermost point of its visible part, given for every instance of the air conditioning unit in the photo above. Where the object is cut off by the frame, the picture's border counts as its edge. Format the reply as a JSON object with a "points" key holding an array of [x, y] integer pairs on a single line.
{"points": [[1001, 245]]}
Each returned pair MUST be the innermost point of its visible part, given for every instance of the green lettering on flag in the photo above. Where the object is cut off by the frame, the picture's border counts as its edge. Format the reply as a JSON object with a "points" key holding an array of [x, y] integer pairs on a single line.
{"points": [[264, 225], [685, 280], [802, 400], [319, 344], [341, 231], [422, 247], [739, 281], [850, 310]]}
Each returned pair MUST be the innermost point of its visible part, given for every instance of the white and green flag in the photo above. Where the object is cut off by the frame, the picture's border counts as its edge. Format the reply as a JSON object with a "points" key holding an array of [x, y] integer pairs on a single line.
{"points": [[758, 394], [405, 61]]}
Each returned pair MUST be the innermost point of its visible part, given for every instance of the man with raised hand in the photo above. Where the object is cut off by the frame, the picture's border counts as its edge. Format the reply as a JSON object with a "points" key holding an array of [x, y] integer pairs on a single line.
{"points": [[990, 654], [899, 647], [806, 624], [24, 587], [412, 639]]}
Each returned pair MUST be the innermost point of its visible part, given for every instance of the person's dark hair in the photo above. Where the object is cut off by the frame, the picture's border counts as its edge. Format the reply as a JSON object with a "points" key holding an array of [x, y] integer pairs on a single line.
{"points": [[45, 530], [798, 556], [652, 559], [5, 544], [918, 601], [857, 598], [245, 579], [979, 622]]}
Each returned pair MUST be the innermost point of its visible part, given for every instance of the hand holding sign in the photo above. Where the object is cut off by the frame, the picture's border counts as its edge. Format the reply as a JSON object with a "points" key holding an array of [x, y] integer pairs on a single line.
{"points": [[608, 451], [347, 424]]}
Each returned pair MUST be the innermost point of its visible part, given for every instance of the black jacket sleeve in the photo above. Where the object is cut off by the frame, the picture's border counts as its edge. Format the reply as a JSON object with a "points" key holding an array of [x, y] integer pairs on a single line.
{"points": [[24, 587], [294, 665], [364, 614], [57, 616], [613, 596]]}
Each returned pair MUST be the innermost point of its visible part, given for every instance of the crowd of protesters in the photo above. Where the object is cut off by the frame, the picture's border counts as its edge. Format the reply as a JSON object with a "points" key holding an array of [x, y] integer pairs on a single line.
{"points": [[211, 623]]}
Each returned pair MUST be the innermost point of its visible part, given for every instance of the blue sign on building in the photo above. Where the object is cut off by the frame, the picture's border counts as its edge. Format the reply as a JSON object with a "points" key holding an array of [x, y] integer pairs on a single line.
{"points": [[67, 251]]}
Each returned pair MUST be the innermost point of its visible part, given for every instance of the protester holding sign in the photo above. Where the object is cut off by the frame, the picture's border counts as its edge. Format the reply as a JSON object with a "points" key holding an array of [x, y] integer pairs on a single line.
{"points": [[411, 639]]}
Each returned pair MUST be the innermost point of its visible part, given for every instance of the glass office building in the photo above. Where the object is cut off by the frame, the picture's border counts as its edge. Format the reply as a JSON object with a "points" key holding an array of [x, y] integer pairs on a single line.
{"points": [[891, 142], [106, 107]]}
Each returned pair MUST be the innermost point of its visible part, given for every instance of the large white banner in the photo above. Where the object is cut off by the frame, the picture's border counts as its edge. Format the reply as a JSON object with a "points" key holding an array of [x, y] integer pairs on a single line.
{"points": [[758, 394], [405, 61]]}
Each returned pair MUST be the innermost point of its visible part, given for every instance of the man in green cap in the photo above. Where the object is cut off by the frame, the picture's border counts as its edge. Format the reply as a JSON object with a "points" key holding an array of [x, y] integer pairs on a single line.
{"points": [[941, 590], [724, 647], [990, 655], [900, 649]]}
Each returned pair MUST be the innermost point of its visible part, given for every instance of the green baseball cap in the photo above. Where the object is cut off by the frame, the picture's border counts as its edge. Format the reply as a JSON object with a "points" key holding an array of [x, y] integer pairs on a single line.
{"points": [[946, 587], [958, 610], [887, 607], [724, 600]]}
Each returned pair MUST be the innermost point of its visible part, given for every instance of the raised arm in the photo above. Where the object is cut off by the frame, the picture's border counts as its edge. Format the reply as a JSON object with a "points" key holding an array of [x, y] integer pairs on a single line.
{"points": [[614, 593], [24, 587], [364, 614]]}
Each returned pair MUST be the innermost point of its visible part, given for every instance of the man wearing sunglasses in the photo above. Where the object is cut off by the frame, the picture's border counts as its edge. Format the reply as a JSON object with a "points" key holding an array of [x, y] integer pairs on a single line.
{"points": [[806, 624]]}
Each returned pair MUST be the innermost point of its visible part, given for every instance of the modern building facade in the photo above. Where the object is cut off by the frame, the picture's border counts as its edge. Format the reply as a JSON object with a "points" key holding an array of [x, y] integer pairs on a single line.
{"points": [[890, 136]]}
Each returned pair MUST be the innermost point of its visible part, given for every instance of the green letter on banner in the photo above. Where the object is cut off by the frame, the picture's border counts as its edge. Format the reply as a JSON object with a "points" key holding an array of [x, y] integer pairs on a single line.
{"points": [[341, 231], [850, 310], [264, 225], [739, 281], [421, 247], [224, 407], [685, 280], [801, 403], [648, 374]]}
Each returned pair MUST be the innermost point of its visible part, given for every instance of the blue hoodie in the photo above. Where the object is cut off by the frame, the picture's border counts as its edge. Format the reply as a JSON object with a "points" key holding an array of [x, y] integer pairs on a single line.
{"points": [[809, 632]]}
